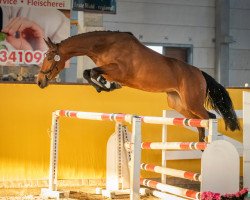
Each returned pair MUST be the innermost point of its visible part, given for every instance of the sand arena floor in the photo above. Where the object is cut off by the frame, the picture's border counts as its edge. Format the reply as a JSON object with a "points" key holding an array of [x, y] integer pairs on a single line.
{"points": [[73, 193]]}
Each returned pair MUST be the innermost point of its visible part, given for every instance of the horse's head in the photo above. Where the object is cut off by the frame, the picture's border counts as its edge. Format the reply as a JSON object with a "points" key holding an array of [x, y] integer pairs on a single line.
{"points": [[53, 63]]}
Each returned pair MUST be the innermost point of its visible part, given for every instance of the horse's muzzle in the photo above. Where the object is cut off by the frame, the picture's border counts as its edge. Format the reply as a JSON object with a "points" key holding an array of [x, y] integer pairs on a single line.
{"points": [[42, 82]]}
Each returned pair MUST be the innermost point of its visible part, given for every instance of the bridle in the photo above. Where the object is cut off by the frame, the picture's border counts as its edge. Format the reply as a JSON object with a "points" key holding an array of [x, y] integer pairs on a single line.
{"points": [[53, 66]]}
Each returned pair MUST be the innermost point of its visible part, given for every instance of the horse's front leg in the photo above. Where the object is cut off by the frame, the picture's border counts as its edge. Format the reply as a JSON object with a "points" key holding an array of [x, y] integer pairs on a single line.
{"points": [[96, 77], [86, 75]]}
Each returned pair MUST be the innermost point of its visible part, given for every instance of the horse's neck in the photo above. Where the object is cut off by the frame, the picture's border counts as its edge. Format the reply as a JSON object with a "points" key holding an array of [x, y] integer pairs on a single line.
{"points": [[79, 46]]}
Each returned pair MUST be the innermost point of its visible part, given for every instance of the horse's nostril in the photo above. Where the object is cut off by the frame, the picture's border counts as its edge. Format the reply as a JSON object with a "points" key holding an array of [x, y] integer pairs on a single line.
{"points": [[40, 84]]}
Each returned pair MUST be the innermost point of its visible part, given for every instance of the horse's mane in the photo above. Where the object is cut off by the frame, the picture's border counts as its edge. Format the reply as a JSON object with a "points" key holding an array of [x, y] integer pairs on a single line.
{"points": [[94, 32]]}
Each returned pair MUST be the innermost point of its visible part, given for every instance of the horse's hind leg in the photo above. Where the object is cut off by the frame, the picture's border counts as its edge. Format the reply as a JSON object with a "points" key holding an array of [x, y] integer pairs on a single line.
{"points": [[200, 112], [175, 102]]}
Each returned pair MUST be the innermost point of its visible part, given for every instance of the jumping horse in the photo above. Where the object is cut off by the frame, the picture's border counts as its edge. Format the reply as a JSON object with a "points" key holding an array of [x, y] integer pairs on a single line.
{"points": [[123, 60]]}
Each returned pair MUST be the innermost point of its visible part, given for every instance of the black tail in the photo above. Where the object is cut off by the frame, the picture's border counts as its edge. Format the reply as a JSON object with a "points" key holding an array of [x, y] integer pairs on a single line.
{"points": [[220, 101]]}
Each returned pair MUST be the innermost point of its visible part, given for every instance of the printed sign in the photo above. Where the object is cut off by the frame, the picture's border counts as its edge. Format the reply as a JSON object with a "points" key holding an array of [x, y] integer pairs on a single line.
{"points": [[104, 6], [59, 4], [21, 57], [23, 32]]}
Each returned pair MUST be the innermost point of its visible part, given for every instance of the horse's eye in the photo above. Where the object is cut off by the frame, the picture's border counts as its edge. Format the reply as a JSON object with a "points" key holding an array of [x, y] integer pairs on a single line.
{"points": [[46, 55]]}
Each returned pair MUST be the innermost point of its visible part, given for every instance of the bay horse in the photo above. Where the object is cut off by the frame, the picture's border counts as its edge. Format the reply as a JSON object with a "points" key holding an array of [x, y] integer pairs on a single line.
{"points": [[123, 60]]}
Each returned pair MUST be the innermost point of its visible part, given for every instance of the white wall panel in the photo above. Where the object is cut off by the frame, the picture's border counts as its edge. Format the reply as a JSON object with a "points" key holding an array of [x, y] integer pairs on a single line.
{"points": [[239, 19], [239, 59], [240, 4], [203, 57], [167, 14], [239, 77], [197, 36], [242, 38]]}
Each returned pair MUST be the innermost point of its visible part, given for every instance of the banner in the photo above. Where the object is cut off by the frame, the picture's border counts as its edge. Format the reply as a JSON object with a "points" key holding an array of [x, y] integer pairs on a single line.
{"points": [[24, 30], [59, 4], [103, 6]]}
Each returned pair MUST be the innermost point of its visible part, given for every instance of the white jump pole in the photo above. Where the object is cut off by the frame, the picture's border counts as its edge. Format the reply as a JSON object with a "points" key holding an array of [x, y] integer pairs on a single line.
{"points": [[191, 194], [171, 172], [175, 145], [95, 116], [176, 121]]}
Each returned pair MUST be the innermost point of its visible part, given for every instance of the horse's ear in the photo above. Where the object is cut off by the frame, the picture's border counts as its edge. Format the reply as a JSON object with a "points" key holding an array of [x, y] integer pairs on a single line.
{"points": [[49, 40], [48, 44]]}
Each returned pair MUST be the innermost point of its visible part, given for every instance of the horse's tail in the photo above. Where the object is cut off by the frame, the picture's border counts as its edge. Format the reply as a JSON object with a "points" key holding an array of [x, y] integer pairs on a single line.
{"points": [[220, 101]]}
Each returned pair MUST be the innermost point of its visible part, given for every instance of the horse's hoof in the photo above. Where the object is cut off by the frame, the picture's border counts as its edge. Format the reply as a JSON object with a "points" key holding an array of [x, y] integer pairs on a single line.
{"points": [[86, 74], [118, 86], [98, 89], [115, 85]]}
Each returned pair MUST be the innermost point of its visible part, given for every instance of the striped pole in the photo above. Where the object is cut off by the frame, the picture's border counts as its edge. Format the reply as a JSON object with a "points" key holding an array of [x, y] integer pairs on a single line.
{"points": [[176, 121], [95, 116], [171, 172], [171, 189], [174, 145], [128, 118]]}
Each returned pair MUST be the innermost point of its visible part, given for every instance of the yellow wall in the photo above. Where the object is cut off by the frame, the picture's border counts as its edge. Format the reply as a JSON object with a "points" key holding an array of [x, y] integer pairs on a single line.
{"points": [[25, 123]]}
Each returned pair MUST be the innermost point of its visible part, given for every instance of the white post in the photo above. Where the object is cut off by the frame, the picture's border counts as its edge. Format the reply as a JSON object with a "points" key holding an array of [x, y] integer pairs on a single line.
{"points": [[163, 152], [246, 139], [54, 153], [212, 131], [135, 159]]}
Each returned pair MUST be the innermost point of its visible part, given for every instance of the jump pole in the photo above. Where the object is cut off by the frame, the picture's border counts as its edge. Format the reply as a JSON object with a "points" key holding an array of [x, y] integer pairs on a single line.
{"points": [[186, 193], [171, 172], [175, 145]]}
